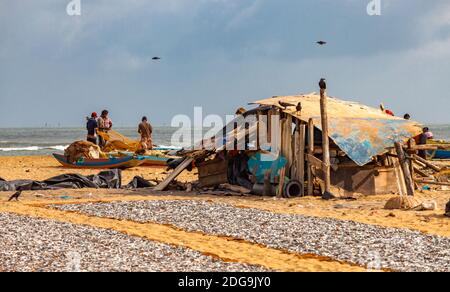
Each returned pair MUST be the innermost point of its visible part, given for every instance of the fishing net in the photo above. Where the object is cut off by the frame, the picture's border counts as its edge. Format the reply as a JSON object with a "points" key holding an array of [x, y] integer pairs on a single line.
{"points": [[118, 142], [83, 149]]}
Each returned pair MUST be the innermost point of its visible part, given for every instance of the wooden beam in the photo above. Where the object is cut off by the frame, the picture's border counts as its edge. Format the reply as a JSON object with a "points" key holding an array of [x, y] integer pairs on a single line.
{"points": [[431, 147], [426, 162], [164, 184], [310, 152], [325, 140], [398, 175], [423, 181], [314, 161], [420, 172], [405, 168]]}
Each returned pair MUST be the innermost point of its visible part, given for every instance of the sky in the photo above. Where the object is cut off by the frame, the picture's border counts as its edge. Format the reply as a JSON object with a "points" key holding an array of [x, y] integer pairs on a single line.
{"points": [[218, 54]]}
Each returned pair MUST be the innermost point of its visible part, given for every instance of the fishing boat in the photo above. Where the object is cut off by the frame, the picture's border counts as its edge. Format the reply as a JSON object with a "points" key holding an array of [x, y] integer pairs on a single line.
{"points": [[441, 154], [443, 151], [155, 158], [102, 163]]}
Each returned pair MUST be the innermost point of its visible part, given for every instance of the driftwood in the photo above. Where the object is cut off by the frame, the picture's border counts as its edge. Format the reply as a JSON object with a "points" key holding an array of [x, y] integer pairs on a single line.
{"points": [[234, 188]]}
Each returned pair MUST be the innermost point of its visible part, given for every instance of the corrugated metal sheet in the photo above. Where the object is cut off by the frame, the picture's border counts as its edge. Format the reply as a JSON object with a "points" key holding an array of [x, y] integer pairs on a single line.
{"points": [[362, 132]]}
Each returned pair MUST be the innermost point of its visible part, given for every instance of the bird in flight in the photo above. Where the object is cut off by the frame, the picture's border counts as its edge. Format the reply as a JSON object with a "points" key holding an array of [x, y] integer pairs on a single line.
{"points": [[321, 43], [15, 196], [322, 84], [156, 58]]}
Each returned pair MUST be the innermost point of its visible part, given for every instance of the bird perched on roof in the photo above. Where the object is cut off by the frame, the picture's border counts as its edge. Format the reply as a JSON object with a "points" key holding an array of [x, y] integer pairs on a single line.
{"points": [[15, 196], [285, 105], [321, 43], [240, 111], [323, 84], [299, 107], [156, 58]]}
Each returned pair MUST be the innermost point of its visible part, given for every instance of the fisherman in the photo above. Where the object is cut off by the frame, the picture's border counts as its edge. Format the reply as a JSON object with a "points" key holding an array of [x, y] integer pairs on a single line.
{"points": [[422, 139], [91, 126], [407, 116], [146, 130], [104, 125], [428, 133]]}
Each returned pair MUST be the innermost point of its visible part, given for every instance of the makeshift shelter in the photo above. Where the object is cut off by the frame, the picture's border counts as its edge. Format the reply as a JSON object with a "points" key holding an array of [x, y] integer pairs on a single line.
{"points": [[361, 138], [362, 141]]}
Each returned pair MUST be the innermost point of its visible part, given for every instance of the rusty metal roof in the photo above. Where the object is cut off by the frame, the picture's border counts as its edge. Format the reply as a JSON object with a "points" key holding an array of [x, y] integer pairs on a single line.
{"points": [[362, 132]]}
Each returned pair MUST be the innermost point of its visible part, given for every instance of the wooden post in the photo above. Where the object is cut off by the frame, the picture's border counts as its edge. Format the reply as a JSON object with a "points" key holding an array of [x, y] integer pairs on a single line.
{"points": [[325, 141], [301, 158], [405, 168], [310, 152], [281, 182]]}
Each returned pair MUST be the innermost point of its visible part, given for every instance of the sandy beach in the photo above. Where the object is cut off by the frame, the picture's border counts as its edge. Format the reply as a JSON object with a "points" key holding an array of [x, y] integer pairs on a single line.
{"points": [[255, 233]]}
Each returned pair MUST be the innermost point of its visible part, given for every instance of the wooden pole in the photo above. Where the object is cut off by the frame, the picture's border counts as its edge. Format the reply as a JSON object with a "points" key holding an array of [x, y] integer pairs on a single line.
{"points": [[281, 183], [301, 158], [325, 141], [310, 152], [405, 168]]}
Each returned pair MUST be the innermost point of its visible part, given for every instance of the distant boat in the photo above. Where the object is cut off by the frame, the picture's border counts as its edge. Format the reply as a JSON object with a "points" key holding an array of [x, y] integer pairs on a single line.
{"points": [[108, 163]]}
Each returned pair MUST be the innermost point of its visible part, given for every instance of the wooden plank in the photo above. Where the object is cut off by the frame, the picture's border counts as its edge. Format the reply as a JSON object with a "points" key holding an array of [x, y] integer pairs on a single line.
{"points": [[422, 181], [325, 140], [286, 141], [295, 147], [426, 162], [431, 147], [398, 175], [281, 183], [301, 158], [164, 184], [311, 153], [420, 172], [405, 169], [314, 161]]}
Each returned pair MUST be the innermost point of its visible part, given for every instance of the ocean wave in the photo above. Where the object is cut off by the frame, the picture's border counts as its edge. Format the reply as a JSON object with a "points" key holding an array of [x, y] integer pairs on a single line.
{"points": [[35, 148]]}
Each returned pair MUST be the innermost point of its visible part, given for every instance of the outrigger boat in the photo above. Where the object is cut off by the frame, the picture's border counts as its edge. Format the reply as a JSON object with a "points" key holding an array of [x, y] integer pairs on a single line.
{"points": [[102, 163]]}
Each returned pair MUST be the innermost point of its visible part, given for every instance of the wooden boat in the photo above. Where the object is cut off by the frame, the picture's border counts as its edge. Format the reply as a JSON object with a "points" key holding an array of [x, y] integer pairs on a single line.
{"points": [[157, 159], [441, 154], [108, 163]]}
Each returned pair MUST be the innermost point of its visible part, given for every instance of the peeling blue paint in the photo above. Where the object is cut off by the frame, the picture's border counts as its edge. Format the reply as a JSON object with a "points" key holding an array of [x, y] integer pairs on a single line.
{"points": [[363, 139]]}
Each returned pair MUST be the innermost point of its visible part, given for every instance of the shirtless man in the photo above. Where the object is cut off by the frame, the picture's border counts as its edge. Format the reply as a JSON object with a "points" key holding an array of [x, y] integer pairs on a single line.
{"points": [[146, 130]]}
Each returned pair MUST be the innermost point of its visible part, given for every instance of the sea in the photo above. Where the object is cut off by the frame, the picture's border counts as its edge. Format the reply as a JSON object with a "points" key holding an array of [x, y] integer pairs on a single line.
{"points": [[45, 141]]}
